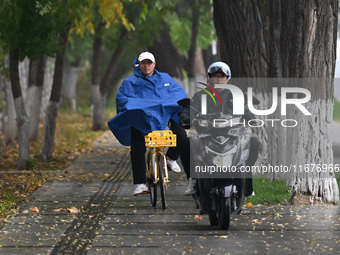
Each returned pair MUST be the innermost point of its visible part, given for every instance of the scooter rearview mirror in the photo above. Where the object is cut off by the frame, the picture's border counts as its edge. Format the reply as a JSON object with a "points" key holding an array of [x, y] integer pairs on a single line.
{"points": [[186, 102]]}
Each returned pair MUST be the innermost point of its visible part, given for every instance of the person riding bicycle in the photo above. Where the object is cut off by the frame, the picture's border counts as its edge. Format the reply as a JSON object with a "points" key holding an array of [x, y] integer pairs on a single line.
{"points": [[147, 101], [217, 73]]}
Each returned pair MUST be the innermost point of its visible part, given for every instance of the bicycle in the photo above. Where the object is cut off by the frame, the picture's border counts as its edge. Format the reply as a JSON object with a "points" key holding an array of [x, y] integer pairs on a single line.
{"points": [[156, 167]]}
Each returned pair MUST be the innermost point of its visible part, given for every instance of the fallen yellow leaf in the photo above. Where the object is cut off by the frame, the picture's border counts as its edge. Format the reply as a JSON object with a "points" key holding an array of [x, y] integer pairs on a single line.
{"points": [[72, 210], [34, 209], [58, 210]]}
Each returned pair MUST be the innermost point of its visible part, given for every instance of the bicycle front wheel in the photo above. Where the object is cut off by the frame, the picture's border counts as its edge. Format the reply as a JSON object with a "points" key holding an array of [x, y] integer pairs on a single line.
{"points": [[151, 183], [162, 180]]}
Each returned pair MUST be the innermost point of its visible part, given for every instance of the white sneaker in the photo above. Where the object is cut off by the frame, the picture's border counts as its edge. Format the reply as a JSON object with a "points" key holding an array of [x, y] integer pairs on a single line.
{"points": [[172, 164], [191, 188], [140, 189]]}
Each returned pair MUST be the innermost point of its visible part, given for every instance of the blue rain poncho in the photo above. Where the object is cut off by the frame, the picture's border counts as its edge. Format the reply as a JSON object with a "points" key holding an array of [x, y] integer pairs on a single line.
{"points": [[146, 103]]}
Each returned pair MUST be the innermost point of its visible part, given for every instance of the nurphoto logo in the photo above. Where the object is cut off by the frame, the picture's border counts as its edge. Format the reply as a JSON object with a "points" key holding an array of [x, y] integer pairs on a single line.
{"points": [[239, 103]]}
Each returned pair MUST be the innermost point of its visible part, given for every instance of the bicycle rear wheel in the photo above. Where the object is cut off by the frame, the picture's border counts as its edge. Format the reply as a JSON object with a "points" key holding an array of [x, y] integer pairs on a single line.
{"points": [[161, 164], [150, 179]]}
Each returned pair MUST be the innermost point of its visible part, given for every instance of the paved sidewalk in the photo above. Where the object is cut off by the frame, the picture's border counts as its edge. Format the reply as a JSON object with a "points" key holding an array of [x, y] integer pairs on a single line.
{"points": [[90, 210]]}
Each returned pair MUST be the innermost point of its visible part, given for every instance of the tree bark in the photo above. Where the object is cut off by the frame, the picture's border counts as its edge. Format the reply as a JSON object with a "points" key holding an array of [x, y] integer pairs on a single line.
{"points": [[4, 86], [34, 96], [22, 119], [193, 42], [288, 39], [10, 127], [97, 123], [242, 36], [172, 62], [71, 74], [100, 92], [52, 108]]}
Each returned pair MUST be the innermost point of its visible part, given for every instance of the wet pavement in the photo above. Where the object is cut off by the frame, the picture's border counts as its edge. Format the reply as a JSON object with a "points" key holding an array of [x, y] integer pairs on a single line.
{"points": [[90, 209]]}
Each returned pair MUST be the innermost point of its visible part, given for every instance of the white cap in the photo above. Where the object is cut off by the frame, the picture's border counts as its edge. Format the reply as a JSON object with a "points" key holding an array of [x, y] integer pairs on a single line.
{"points": [[146, 55]]}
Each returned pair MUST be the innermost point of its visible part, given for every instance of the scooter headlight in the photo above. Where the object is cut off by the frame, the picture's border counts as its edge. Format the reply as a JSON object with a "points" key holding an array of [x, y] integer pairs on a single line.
{"points": [[221, 161], [203, 123]]}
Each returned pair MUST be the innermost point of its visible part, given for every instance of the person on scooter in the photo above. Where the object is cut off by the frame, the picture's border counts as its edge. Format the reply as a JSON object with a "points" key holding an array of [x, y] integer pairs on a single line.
{"points": [[147, 101], [217, 73]]}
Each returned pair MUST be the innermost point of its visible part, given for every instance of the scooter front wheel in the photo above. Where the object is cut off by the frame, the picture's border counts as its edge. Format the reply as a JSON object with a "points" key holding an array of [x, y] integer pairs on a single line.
{"points": [[213, 219], [223, 213]]}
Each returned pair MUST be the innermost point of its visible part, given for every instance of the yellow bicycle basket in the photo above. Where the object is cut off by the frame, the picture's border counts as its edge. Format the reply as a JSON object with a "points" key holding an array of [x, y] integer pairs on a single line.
{"points": [[160, 138]]}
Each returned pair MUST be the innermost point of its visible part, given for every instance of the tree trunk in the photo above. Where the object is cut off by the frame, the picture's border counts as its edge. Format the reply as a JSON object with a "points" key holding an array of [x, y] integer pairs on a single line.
{"points": [[200, 70], [99, 107], [22, 119], [100, 92], [10, 127], [3, 86], [52, 108], [97, 123], [313, 153], [172, 63], [34, 96], [288, 39], [47, 86], [242, 36], [194, 34], [71, 74]]}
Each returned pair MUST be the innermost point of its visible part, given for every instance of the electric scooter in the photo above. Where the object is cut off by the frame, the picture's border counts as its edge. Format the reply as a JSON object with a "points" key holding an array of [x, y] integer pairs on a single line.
{"points": [[218, 153]]}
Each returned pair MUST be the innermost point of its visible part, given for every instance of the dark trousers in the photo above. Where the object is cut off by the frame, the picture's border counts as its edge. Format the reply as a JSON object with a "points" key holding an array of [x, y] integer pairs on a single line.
{"points": [[138, 150]]}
